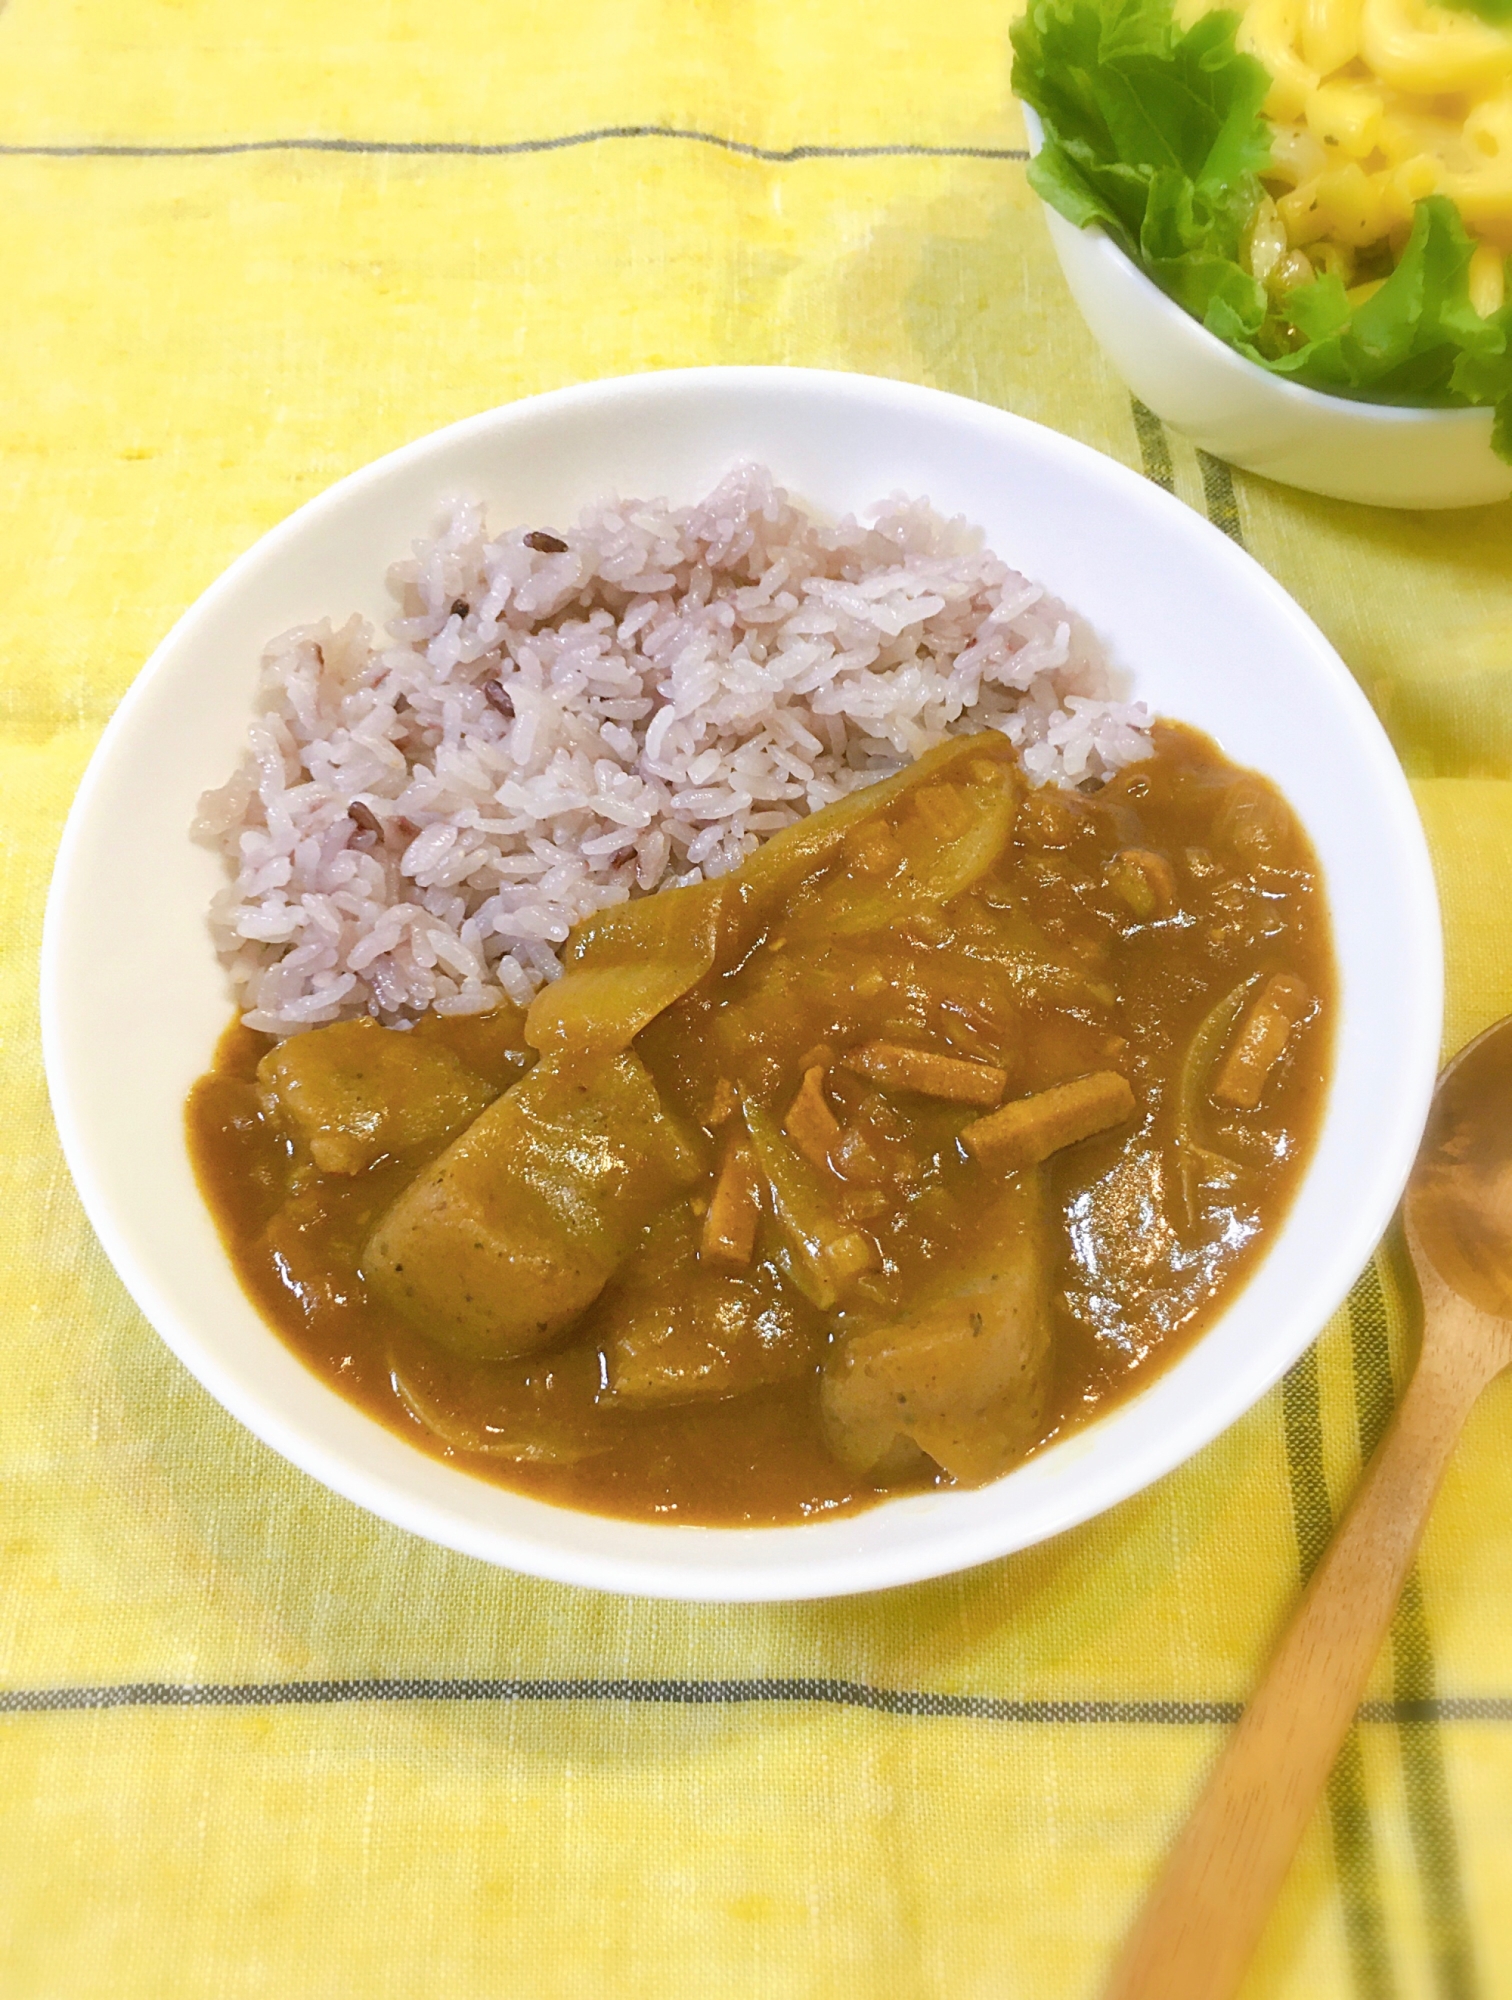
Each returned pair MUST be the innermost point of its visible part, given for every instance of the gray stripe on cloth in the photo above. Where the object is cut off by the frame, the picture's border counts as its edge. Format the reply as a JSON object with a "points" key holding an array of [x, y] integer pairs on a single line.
{"points": [[1154, 446], [503, 148], [1219, 496], [917, 1702], [921, 1703]]}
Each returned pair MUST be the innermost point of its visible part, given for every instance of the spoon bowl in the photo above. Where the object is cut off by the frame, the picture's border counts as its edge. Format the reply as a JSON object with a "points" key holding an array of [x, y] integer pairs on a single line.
{"points": [[1459, 1198]]}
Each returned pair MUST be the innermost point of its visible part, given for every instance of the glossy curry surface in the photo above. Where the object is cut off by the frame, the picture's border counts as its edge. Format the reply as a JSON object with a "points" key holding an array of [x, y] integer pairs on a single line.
{"points": [[960, 1108]]}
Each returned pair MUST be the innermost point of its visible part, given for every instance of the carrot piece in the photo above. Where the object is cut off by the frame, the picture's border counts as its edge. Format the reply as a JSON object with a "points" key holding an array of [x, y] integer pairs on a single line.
{"points": [[810, 1124], [1286, 993], [1261, 1042], [821, 1056], [851, 1254], [1024, 1133], [932, 1075], [723, 1105], [729, 1231]]}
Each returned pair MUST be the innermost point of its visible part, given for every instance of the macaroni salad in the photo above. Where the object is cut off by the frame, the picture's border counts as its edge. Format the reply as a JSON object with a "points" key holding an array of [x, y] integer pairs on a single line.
{"points": [[1325, 184]]}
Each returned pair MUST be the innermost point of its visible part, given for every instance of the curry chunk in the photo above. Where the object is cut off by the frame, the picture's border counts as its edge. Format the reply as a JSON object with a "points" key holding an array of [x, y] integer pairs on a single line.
{"points": [[515, 1230], [962, 1378], [928, 1073], [1023, 1134], [872, 850], [1254, 822], [491, 1043], [682, 1331], [1144, 882], [353, 1092], [819, 1255], [1261, 1042]]}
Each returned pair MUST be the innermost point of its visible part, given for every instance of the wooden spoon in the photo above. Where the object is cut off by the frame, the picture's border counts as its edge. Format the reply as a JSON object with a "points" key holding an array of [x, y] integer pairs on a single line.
{"points": [[1196, 1934]]}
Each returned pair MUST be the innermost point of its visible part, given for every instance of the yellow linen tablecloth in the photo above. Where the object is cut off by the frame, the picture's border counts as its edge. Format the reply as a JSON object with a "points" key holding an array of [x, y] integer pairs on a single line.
{"points": [[254, 1743]]}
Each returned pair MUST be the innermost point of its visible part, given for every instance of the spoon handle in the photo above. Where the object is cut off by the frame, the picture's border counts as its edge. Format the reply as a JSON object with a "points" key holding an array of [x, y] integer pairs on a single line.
{"points": [[1195, 1936]]}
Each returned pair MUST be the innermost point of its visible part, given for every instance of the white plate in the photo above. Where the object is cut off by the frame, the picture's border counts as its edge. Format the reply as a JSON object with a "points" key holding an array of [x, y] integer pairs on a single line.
{"points": [[133, 998]]}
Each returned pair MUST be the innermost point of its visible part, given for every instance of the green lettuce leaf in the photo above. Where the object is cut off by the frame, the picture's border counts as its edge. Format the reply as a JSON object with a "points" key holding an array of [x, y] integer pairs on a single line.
{"points": [[1497, 12], [1156, 135]]}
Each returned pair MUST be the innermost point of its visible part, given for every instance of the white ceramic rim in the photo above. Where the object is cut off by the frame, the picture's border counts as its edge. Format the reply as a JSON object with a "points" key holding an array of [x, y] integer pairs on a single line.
{"points": [[568, 1554]]}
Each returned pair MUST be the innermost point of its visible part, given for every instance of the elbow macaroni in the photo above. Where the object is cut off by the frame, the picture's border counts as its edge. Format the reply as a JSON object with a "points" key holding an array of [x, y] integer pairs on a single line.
{"points": [[1375, 104]]}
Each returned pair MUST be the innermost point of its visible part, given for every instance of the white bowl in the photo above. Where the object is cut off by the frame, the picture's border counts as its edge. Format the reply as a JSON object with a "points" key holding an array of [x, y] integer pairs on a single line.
{"points": [[1240, 412], [1204, 633]]}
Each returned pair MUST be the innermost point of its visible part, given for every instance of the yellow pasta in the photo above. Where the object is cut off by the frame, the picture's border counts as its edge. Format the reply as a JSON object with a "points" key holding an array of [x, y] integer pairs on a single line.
{"points": [[1330, 34], [1346, 117], [1375, 104], [1270, 30], [1427, 50]]}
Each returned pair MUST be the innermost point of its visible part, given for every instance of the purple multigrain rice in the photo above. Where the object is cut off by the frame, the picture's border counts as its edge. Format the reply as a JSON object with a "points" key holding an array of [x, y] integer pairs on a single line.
{"points": [[550, 729]]}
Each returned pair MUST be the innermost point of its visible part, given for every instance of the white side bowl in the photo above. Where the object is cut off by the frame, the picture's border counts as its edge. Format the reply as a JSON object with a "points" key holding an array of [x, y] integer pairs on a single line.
{"points": [[1203, 633], [1240, 412]]}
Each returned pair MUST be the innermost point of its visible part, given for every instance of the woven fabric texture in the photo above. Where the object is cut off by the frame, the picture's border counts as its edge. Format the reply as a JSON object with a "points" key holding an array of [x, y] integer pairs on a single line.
{"points": [[255, 1743]]}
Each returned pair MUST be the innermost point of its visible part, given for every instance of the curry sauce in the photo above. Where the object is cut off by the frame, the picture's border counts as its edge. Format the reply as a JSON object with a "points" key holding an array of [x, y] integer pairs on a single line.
{"points": [[926, 1135]]}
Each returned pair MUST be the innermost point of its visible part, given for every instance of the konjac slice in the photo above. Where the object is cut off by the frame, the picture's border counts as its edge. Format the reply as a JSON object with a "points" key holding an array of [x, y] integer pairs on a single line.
{"points": [[501, 1244], [682, 1330], [542, 1410], [964, 1375], [353, 1091]]}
